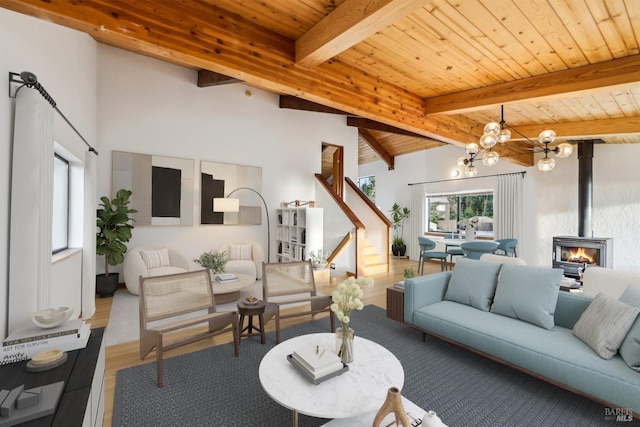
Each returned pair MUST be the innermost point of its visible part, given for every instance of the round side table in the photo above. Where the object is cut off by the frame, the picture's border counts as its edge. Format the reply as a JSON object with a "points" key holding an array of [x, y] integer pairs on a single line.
{"points": [[251, 311]]}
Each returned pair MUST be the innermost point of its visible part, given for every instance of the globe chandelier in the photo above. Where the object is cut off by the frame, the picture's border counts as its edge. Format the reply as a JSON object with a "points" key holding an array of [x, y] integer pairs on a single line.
{"points": [[500, 133]]}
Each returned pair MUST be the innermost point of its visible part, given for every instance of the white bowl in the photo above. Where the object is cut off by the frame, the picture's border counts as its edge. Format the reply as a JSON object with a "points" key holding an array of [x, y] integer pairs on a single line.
{"points": [[51, 317]]}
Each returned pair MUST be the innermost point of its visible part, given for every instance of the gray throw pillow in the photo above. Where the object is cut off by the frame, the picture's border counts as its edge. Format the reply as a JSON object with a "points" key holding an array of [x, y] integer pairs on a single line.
{"points": [[630, 348], [528, 293], [604, 324], [473, 283]]}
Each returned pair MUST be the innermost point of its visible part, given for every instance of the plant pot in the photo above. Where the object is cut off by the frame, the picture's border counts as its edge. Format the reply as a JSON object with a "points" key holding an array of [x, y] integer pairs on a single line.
{"points": [[319, 265], [106, 286], [398, 250]]}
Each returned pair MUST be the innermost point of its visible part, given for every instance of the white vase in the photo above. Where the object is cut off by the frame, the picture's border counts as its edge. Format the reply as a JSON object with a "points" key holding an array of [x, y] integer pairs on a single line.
{"points": [[470, 233], [431, 419]]}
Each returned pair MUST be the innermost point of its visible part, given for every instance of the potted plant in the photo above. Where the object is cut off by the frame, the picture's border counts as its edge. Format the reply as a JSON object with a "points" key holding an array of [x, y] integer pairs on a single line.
{"points": [[214, 261], [114, 230], [409, 273], [398, 215], [319, 259]]}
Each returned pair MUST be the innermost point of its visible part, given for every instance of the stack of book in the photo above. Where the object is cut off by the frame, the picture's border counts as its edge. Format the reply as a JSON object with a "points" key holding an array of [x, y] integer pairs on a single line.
{"points": [[399, 285], [226, 278], [316, 362], [24, 343]]}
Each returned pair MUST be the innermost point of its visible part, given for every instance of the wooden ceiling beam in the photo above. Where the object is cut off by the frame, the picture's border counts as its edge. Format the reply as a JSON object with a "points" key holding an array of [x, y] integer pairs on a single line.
{"points": [[208, 78], [616, 73], [349, 24], [363, 123], [295, 103], [225, 43], [378, 148], [582, 129]]}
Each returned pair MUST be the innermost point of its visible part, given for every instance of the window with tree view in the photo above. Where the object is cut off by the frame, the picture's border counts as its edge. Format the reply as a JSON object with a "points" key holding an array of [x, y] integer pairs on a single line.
{"points": [[445, 211], [368, 186]]}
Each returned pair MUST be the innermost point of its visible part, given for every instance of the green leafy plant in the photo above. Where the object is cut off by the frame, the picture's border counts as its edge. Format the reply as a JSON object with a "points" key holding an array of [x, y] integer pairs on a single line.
{"points": [[398, 215], [409, 273], [114, 228], [215, 261]]}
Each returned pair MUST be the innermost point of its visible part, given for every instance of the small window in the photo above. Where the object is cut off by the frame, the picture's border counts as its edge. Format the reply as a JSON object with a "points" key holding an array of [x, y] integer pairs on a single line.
{"points": [[368, 186], [445, 211], [60, 217]]}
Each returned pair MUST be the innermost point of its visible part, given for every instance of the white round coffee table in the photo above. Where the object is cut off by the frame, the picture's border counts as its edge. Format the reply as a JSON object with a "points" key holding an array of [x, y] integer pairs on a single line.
{"points": [[230, 292], [360, 390]]}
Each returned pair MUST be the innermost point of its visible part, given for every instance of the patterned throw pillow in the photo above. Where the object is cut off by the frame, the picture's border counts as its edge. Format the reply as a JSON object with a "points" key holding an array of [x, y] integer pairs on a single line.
{"points": [[604, 324], [154, 258], [240, 252]]}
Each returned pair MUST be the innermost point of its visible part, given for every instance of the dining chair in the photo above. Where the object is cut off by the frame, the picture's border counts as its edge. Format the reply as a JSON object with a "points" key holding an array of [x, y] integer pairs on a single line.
{"points": [[452, 249], [426, 252], [476, 248], [508, 246]]}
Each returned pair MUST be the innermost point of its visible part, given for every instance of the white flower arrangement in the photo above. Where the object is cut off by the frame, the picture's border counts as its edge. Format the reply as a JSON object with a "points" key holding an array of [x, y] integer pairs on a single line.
{"points": [[347, 297], [470, 222]]}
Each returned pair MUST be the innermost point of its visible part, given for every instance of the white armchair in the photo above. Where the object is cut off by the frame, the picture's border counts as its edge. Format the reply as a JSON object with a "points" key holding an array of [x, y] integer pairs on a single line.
{"points": [[148, 261], [245, 257]]}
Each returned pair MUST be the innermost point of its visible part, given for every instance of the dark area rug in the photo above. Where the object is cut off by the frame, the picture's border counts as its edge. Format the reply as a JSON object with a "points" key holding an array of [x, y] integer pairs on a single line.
{"points": [[211, 387]]}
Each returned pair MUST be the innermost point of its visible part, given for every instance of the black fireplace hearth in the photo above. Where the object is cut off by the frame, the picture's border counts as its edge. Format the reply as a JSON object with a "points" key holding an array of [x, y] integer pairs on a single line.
{"points": [[573, 253]]}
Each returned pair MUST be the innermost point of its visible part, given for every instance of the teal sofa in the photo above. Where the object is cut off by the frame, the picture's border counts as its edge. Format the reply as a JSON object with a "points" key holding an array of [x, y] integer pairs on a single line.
{"points": [[534, 334]]}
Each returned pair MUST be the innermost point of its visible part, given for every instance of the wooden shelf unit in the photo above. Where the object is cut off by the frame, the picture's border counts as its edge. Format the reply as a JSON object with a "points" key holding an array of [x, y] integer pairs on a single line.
{"points": [[298, 232]]}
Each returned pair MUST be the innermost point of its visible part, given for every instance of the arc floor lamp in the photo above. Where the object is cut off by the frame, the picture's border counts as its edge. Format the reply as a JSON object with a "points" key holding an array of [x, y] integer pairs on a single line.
{"points": [[228, 204]]}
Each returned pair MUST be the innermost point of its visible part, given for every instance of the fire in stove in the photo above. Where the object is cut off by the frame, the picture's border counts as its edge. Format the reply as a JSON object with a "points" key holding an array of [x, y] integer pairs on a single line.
{"points": [[580, 255]]}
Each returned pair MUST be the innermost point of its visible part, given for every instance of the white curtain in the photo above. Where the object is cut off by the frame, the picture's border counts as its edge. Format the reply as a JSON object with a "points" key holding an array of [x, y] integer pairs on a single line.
{"points": [[88, 300], [416, 220], [507, 209], [31, 208]]}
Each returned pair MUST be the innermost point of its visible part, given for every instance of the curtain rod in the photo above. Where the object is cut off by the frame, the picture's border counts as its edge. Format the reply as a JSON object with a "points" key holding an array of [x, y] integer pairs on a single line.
{"points": [[30, 80], [464, 179]]}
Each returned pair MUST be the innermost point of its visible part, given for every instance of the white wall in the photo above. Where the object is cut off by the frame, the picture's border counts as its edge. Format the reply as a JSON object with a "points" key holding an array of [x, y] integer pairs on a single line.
{"points": [[65, 63], [550, 203], [151, 107]]}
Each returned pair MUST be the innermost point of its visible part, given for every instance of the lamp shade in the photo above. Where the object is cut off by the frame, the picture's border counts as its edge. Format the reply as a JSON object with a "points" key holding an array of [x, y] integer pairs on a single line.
{"points": [[221, 204]]}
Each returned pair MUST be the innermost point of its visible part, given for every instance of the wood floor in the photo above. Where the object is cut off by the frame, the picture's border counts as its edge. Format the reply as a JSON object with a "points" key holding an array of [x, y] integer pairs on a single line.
{"points": [[125, 355]]}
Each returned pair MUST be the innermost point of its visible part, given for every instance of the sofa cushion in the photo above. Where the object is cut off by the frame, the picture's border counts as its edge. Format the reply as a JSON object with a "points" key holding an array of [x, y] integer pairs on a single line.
{"points": [[528, 293], [604, 324], [630, 348], [154, 258], [240, 252], [473, 283]]}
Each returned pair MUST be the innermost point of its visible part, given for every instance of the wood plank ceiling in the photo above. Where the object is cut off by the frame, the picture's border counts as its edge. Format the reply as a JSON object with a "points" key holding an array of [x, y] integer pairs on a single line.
{"points": [[439, 69]]}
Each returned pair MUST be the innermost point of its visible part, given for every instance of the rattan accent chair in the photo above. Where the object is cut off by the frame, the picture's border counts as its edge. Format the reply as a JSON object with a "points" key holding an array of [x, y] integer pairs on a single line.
{"points": [[288, 283], [188, 295]]}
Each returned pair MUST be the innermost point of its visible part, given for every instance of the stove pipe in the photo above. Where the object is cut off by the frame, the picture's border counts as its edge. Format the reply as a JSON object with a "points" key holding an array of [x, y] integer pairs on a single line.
{"points": [[585, 188]]}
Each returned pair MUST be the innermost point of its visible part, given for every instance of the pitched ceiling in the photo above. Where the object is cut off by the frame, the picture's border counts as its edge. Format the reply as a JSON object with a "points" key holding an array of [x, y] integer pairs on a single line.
{"points": [[436, 68]]}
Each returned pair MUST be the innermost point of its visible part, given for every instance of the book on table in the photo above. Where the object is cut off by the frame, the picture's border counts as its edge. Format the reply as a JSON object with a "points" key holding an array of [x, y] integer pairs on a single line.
{"points": [[26, 350], [226, 277], [33, 333], [317, 361]]}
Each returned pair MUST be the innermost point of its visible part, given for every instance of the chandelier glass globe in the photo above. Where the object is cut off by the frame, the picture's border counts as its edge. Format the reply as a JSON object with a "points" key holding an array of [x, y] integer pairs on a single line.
{"points": [[492, 127], [488, 140], [547, 136], [504, 136], [490, 158], [564, 150], [471, 171], [546, 164], [472, 148], [462, 161]]}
